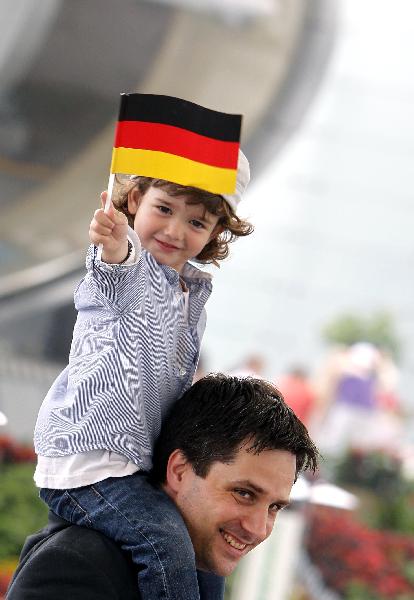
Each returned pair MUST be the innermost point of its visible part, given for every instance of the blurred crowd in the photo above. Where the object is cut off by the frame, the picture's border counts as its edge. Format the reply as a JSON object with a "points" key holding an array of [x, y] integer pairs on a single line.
{"points": [[350, 402]]}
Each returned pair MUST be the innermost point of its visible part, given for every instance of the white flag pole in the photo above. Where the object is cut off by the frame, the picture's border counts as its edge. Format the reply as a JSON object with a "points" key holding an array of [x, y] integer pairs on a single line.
{"points": [[108, 203]]}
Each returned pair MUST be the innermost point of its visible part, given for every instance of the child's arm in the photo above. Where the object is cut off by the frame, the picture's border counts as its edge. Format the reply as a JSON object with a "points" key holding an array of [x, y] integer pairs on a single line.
{"points": [[113, 279], [110, 229]]}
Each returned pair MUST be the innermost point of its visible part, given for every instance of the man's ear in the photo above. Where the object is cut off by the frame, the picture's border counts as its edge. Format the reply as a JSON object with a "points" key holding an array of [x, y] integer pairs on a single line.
{"points": [[133, 200], [177, 467]]}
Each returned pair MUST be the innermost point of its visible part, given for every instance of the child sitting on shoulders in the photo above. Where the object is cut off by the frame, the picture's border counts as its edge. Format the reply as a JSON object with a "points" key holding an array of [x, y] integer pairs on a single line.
{"points": [[134, 351]]}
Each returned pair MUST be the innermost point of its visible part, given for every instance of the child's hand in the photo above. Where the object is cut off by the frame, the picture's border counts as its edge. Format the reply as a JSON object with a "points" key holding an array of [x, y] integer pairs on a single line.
{"points": [[110, 229]]}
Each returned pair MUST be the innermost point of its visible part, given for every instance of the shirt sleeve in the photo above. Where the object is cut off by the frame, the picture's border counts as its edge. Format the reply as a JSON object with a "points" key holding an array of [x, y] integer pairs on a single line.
{"points": [[112, 286], [201, 325], [134, 256]]}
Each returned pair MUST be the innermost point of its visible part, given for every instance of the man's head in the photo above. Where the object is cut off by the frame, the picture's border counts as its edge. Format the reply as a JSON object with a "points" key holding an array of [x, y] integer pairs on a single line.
{"points": [[228, 455]]}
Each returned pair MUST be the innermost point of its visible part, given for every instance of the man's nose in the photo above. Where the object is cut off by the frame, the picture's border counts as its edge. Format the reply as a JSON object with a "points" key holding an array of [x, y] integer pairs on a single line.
{"points": [[258, 524]]}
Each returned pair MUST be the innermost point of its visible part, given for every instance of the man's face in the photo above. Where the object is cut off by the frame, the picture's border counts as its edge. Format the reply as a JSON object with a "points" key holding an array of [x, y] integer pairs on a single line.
{"points": [[234, 508]]}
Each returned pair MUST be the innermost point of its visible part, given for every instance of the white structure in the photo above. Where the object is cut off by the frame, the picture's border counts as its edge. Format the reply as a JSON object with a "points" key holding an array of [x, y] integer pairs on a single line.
{"points": [[334, 209]]}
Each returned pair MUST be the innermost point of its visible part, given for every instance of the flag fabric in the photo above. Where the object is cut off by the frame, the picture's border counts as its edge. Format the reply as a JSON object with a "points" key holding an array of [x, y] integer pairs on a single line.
{"points": [[177, 140]]}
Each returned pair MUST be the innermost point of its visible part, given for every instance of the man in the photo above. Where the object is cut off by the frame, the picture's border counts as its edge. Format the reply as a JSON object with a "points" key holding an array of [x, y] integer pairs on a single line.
{"points": [[227, 456]]}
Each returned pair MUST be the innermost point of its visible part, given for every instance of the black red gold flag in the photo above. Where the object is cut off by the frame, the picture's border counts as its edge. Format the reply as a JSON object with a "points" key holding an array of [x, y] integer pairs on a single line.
{"points": [[177, 140]]}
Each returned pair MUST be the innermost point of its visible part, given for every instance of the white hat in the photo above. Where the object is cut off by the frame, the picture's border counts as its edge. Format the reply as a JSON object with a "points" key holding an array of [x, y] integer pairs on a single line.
{"points": [[243, 178]]}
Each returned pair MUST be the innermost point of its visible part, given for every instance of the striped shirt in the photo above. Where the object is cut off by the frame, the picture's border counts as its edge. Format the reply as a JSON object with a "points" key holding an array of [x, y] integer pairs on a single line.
{"points": [[134, 351]]}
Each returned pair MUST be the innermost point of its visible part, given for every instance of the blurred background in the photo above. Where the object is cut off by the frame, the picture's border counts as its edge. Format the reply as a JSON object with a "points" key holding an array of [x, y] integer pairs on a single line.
{"points": [[319, 300]]}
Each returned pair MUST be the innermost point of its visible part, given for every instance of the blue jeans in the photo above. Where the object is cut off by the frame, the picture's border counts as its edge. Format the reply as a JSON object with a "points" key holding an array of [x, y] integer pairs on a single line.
{"points": [[145, 522]]}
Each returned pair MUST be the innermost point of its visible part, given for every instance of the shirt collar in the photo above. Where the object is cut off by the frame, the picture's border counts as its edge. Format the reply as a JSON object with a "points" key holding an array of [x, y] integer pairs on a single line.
{"points": [[191, 274]]}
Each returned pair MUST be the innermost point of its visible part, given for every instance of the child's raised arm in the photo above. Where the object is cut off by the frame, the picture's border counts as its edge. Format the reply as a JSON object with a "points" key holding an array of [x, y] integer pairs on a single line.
{"points": [[110, 229]]}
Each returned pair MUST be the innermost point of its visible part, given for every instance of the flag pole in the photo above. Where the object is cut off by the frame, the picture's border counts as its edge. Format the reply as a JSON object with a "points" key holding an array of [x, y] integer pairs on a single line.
{"points": [[111, 182]]}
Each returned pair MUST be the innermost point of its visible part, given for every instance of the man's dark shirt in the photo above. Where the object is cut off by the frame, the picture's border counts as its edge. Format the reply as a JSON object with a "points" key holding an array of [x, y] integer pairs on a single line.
{"points": [[72, 563]]}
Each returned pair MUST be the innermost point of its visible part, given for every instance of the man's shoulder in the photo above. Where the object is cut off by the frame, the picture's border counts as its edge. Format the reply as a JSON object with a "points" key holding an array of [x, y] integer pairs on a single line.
{"points": [[73, 562]]}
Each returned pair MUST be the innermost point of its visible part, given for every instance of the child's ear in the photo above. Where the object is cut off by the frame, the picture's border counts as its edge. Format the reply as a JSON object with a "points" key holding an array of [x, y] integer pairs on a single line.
{"points": [[133, 201], [216, 231]]}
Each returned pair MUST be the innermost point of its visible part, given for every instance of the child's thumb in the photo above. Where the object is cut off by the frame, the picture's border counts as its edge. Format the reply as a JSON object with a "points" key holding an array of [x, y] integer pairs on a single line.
{"points": [[107, 206]]}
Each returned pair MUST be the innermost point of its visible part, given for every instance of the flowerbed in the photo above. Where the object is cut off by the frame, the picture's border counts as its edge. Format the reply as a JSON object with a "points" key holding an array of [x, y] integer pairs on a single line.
{"points": [[359, 562], [21, 511], [13, 452]]}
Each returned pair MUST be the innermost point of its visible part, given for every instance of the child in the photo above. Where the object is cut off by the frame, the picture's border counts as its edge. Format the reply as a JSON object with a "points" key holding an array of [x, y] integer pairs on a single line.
{"points": [[135, 349]]}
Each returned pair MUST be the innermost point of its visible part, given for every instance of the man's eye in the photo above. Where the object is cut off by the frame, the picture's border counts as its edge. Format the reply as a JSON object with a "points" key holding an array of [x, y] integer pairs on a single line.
{"points": [[245, 494], [164, 209], [275, 508]]}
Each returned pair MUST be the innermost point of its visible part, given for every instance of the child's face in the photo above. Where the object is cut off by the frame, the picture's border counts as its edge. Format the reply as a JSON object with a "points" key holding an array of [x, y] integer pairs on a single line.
{"points": [[169, 228]]}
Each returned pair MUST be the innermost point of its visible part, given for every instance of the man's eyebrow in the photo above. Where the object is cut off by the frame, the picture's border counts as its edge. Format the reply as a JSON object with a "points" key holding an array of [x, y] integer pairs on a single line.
{"points": [[256, 488], [250, 484]]}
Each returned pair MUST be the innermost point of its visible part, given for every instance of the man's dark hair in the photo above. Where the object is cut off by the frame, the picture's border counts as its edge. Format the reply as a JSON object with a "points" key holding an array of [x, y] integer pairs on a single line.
{"points": [[219, 414]]}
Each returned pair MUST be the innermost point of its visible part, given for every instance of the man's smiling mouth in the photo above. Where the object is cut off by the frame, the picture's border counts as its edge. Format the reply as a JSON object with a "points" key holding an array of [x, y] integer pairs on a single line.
{"points": [[232, 542]]}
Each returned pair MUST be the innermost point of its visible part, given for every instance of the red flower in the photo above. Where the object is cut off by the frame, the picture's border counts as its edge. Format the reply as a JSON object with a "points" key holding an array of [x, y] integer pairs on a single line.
{"points": [[13, 452], [345, 551]]}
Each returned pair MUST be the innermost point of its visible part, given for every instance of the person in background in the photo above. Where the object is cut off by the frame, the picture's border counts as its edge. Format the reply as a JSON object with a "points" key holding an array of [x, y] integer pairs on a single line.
{"points": [[358, 390], [298, 393], [253, 365]]}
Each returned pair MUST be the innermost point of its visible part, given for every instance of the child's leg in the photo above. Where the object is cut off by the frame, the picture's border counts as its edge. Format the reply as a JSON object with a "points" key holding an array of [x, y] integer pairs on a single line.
{"points": [[211, 586], [145, 522]]}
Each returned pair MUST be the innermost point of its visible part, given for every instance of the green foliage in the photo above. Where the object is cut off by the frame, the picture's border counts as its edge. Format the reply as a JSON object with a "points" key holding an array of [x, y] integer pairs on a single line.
{"points": [[392, 506], [21, 511], [359, 591], [374, 470], [409, 572], [378, 329], [396, 513]]}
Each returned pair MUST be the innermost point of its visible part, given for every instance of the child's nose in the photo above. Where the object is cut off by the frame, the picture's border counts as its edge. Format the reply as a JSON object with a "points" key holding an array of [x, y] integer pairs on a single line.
{"points": [[175, 229]]}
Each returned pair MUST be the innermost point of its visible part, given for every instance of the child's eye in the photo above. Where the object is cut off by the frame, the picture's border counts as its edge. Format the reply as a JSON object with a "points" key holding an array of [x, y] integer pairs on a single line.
{"points": [[197, 224], [164, 209]]}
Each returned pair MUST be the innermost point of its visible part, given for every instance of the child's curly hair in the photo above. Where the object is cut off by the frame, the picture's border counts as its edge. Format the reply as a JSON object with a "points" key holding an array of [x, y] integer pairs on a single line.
{"points": [[232, 226]]}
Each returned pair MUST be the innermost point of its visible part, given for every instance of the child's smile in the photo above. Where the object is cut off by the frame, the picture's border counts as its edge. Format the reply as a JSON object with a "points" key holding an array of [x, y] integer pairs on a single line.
{"points": [[172, 230]]}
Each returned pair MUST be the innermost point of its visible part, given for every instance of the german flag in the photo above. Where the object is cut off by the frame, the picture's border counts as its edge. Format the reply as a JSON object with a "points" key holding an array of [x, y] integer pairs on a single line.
{"points": [[176, 140]]}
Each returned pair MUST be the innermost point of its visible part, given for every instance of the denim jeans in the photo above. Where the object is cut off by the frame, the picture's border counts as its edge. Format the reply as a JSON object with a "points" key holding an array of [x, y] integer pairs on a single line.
{"points": [[144, 521]]}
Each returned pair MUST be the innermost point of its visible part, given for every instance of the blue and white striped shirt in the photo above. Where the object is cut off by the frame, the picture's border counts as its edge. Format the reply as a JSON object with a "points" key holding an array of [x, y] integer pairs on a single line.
{"points": [[134, 351]]}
